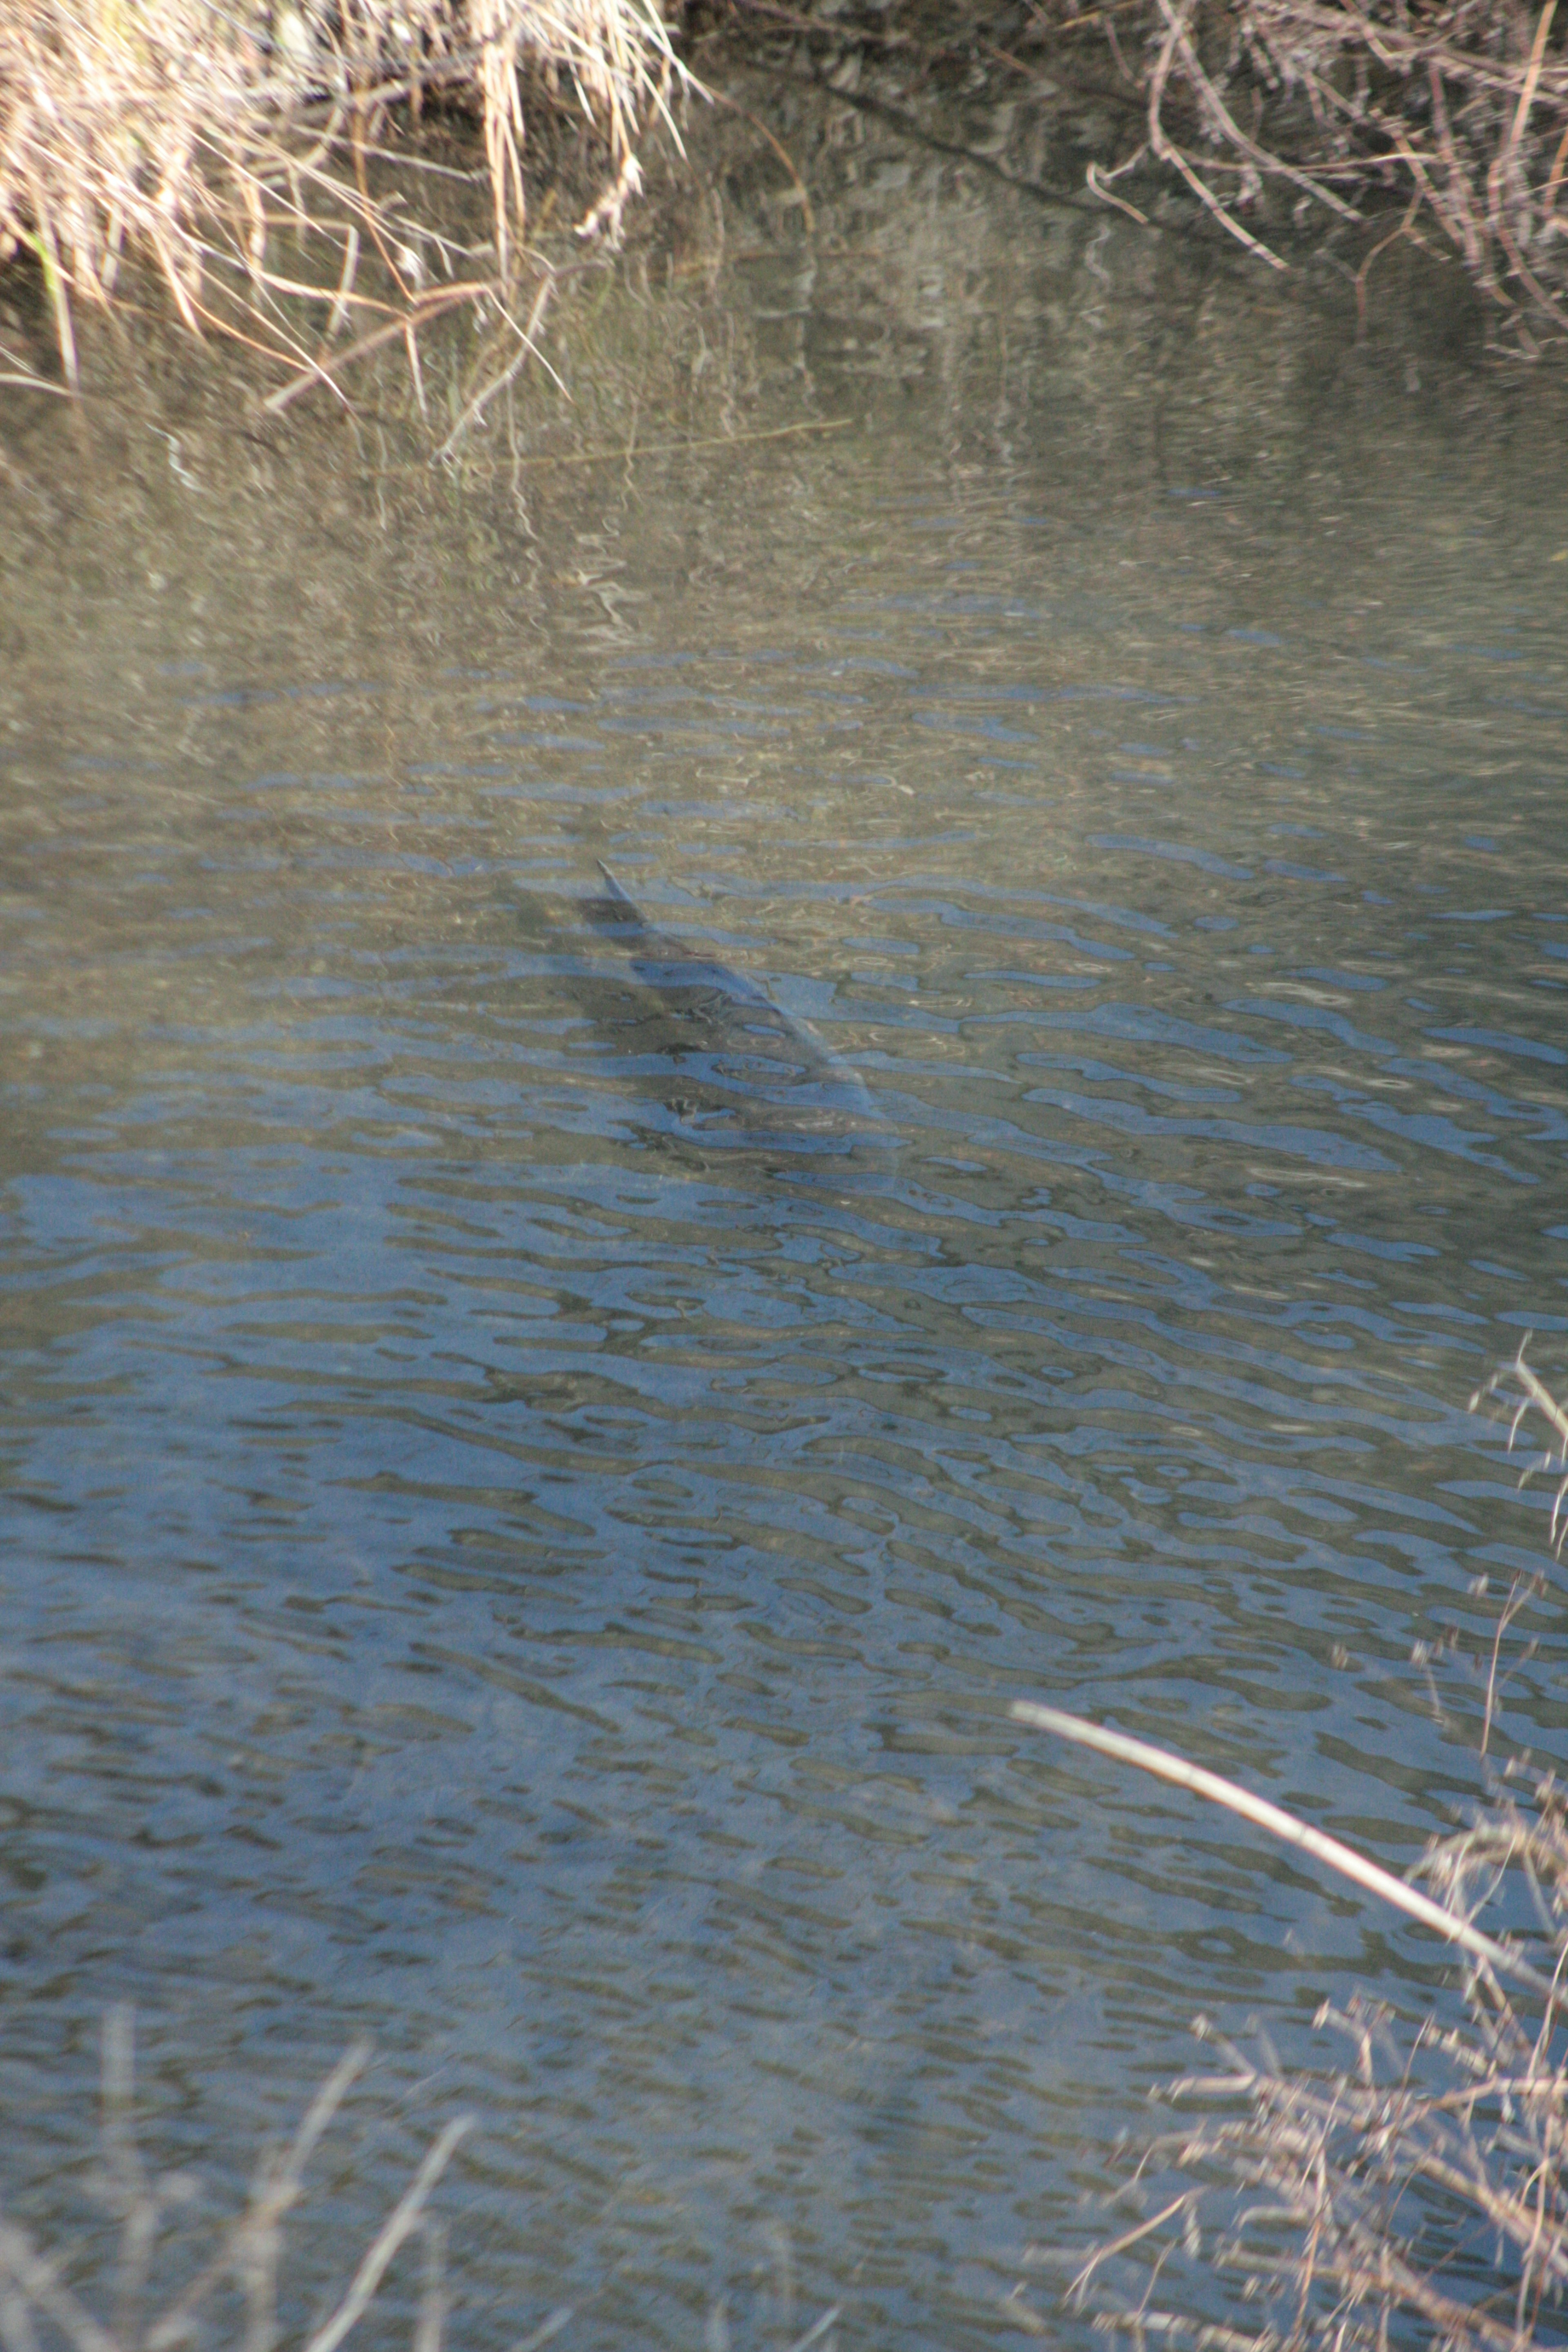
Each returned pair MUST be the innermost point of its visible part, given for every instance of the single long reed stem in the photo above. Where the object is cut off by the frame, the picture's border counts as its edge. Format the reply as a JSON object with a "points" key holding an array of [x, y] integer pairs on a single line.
{"points": [[1289, 1830]]}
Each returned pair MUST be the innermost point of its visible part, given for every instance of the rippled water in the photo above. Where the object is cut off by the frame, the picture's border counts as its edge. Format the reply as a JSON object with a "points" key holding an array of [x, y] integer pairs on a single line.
{"points": [[493, 1561]]}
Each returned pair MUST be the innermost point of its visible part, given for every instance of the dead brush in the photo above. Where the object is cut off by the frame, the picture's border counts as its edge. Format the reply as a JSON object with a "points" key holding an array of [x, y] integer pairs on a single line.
{"points": [[242, 151], [1460, 107], [1416, 2191]]}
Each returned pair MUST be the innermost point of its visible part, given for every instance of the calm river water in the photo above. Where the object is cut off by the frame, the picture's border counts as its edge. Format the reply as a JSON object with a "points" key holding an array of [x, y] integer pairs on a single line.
{"points": [[497, 1560]]}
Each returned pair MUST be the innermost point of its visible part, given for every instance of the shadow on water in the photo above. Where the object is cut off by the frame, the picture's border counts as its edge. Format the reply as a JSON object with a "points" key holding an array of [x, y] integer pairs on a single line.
{"points": [[717, 1065]]}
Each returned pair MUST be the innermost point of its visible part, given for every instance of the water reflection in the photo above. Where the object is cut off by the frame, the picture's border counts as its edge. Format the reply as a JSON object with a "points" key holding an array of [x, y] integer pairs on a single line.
{"points": [[492, 1562]]}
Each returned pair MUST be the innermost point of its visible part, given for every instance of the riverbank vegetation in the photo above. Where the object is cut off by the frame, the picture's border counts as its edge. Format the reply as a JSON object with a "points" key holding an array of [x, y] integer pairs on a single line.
{"points": [[1458, 111], [1414, 2188], [275, 161], [284, 165], [1443, 124], [237, 2291]]}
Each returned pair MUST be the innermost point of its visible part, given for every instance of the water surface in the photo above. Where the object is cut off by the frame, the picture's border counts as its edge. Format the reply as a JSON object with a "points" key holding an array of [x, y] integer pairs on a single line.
{"points": [[490, 1564]]}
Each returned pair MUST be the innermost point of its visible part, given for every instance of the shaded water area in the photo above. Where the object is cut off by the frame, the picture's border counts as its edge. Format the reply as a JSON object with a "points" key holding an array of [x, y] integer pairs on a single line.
{"points": [[495, 1561]]}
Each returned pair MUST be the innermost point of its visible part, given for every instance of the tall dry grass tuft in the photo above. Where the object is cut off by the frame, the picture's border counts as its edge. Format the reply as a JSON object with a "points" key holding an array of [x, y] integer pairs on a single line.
{"points": [[235, 146], [37, 2306], [1414, 2189]]}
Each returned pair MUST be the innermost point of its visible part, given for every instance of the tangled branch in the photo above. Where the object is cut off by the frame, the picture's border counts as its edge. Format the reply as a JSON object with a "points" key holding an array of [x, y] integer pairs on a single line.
{"points": [[1461, 105]]}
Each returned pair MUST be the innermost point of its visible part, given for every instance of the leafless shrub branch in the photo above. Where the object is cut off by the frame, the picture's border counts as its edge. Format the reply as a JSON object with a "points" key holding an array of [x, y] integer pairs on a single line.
{"points": [[1461, 105]]}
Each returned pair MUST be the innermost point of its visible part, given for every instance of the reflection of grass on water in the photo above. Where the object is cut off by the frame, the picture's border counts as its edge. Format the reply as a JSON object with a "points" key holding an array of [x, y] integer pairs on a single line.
{"points": [[1413, 2193], [1345, 113], [251, 154], [1416, 2193]]}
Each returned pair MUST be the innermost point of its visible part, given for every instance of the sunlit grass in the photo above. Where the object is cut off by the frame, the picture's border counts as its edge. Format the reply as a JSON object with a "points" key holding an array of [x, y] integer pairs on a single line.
{"points": [[245, 151]]}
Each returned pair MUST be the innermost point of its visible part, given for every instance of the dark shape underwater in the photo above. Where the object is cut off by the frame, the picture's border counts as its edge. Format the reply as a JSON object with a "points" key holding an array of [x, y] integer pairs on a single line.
{"points": [[728, 1065]]}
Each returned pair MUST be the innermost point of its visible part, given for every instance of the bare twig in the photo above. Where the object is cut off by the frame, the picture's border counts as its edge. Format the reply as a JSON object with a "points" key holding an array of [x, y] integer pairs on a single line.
{"points": [[1446, 98], [1287, 1828], [1410, 2194]]}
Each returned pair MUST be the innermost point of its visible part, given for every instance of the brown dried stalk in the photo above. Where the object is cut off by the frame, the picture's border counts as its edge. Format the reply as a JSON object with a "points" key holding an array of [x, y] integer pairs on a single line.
{"points": [[197, 134]]}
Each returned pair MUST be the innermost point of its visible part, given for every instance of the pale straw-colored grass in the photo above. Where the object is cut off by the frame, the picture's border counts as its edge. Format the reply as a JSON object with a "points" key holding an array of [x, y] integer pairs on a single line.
{"points": [[235, 2289], [242, 148]]}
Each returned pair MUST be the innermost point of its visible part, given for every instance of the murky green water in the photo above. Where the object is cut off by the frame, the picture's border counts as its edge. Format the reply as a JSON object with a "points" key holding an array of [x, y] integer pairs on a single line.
{"points": [[493, 1562]]}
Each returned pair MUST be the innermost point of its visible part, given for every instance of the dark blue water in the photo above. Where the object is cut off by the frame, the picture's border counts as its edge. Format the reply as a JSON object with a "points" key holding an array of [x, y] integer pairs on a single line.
{"points": [[493, 1563]]}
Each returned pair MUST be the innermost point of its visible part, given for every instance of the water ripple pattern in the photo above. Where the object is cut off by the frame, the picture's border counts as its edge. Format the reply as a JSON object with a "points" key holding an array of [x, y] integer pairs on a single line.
{"points": [[494, 1560]]}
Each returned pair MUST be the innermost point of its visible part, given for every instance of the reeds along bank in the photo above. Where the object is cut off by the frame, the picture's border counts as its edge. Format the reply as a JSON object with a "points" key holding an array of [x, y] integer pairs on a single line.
{"points": [[258, 156]]}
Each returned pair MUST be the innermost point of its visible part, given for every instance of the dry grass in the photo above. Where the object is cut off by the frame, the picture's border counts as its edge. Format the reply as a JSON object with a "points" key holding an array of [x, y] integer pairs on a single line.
{"points": [[242, 2274], [243, 150], [1415, 2190]]}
